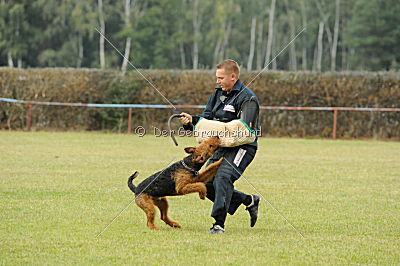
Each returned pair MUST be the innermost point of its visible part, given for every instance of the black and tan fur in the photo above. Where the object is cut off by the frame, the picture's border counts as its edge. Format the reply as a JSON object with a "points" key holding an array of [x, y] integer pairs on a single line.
{"points": [[178, 179]]}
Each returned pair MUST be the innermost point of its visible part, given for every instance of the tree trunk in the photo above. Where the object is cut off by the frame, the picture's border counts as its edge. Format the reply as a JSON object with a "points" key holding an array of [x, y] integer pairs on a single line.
{"points": [[335, 37], [328, 32], [343, 45], [181, 42], [274, 44], [19, 64], [222, 42], [80, 51], [9, 59], [252, 43], [352, 52], [314, 65], [292, 49], [270, 33], [325, 17], [126, 54], [304, 58], [195, 55], [127, 19], [226, 39], [102, 30], [319, 53], [216, 51], [344, 58], [260, 46], [304, 21], [196, 28], [218, 47], [182, 52]]}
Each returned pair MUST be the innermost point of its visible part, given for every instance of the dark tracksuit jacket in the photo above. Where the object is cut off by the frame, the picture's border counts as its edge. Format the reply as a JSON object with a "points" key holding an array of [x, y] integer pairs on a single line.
{"points": [[225, 108]]}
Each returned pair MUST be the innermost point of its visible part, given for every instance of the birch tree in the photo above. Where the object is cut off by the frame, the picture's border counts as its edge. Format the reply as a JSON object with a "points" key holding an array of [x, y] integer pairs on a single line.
{"points": [[103, 32], [14, 31], [196, 20], [335, 36], [252, 43], [319, 47], [260, 44], [224, 12], [83, 18], [181, 41], [325, 18], [127, 19], [292, 48], [274, 51], [304, 40], [132, 11], [270, 32]]}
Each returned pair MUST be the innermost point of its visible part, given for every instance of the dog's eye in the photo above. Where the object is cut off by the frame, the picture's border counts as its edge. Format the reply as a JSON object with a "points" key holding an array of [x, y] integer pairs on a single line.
{"points": [[211, 146]]}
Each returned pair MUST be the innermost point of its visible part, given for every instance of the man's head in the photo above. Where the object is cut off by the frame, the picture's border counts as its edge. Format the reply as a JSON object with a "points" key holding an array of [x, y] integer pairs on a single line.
{"points": [[227, 74]]}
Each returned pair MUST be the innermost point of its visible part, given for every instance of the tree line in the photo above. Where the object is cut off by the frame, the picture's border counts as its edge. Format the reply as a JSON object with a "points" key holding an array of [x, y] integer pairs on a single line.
{"points": [[332, 35]]}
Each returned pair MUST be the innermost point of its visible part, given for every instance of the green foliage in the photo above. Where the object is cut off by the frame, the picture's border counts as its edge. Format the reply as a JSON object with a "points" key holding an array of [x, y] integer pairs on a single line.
{"points": [[374, 34], [14, 28], [46, 33]]}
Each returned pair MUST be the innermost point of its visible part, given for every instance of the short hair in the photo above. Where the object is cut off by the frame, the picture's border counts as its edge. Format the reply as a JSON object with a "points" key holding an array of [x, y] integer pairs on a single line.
{"points": [[230, 66]]}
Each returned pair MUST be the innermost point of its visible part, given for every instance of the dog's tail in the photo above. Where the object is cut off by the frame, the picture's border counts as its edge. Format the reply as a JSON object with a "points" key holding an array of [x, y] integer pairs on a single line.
{"points": [[130, 184]]}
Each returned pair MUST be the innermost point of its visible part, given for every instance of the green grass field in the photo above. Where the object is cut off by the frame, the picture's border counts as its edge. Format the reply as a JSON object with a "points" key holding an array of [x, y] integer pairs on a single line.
{"points": [[59, 190]]}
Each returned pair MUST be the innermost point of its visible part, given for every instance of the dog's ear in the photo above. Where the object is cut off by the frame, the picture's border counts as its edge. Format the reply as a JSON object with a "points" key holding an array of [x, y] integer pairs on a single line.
{"points": [[190, 149]]}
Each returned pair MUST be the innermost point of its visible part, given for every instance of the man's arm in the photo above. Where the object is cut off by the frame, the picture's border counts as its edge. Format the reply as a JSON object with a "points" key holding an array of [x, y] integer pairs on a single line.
{"points": [[249, 111]]}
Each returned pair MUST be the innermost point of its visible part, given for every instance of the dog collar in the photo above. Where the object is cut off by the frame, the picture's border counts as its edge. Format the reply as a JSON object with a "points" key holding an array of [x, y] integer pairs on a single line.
{"points": [[194, 172]]}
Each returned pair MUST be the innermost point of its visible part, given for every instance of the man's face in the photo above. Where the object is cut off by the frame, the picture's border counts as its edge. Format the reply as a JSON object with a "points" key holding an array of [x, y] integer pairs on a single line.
{"points": [[226, 80]]}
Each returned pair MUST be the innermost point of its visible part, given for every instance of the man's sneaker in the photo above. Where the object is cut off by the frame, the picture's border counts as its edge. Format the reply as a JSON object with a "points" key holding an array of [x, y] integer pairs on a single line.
{"points": [[253, 209], [216, 229]]}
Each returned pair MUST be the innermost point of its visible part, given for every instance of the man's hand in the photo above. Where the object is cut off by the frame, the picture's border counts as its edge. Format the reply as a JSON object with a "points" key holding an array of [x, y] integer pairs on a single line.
{"points": [[186, 118]]}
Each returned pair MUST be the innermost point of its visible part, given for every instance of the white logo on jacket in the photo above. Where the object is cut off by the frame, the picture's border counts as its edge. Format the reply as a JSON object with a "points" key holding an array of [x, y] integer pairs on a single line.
{"points": [[229, 108]]}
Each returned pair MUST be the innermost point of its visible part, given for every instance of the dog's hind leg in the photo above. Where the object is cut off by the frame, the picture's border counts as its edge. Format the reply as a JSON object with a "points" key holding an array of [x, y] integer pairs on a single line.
{"points": [[146, 203], [162, 204]]}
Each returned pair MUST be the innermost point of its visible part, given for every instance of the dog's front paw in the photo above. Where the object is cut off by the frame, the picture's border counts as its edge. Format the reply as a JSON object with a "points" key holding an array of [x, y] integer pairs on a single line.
{"points": [[218, 163]]}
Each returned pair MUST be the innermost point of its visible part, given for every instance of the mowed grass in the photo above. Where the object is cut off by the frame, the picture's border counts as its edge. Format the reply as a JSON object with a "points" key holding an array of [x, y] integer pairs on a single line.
{"points": [[58, 191]]}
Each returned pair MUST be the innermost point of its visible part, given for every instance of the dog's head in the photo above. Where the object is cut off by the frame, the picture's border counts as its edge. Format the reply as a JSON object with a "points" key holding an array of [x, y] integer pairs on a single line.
{"points": [[202, 152]]}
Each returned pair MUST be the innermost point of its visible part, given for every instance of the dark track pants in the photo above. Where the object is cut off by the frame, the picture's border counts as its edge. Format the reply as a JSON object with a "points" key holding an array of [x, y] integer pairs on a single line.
{"points": [[220, 190]]}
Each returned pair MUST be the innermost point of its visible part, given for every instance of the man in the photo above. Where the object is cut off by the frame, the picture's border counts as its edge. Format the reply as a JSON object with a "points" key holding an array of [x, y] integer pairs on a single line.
{"points": [[230, 99]]}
